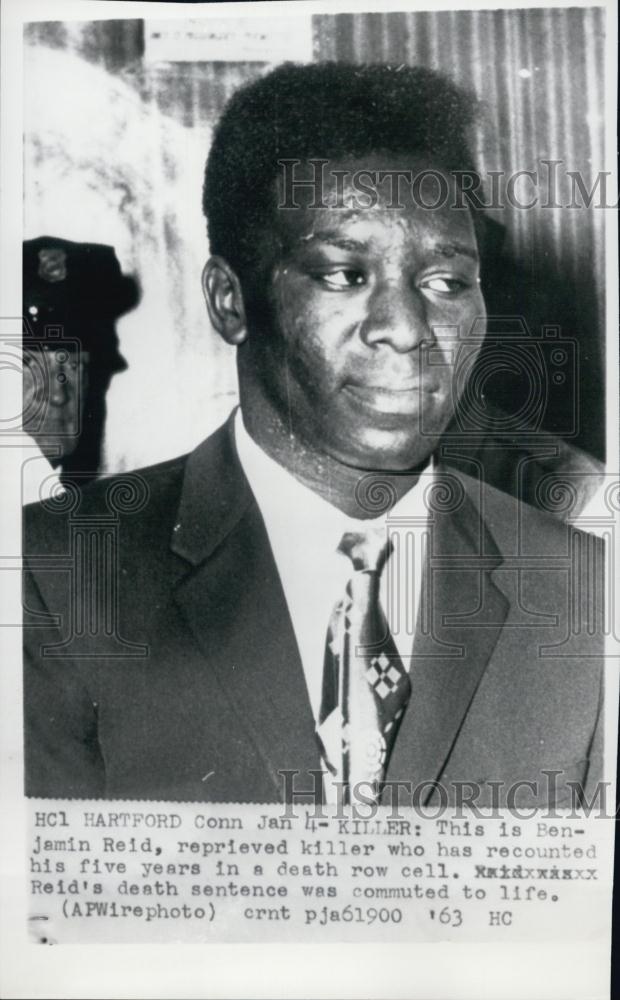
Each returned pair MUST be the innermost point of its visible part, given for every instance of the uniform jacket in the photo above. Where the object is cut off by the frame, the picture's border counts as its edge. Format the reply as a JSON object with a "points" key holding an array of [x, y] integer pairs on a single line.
{"points": [[161, 661]]}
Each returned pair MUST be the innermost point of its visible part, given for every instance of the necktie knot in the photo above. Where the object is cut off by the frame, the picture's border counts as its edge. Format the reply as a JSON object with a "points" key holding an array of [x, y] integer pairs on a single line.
{"points": [[367, 550]]}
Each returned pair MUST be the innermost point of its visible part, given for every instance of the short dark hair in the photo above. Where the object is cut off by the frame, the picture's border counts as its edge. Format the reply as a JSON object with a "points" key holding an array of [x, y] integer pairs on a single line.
{"points": [[323, 110]]}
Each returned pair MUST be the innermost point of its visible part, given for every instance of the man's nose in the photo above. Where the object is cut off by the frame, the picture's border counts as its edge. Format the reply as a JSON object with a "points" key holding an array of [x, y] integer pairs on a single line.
{"points": [[396, 316]]}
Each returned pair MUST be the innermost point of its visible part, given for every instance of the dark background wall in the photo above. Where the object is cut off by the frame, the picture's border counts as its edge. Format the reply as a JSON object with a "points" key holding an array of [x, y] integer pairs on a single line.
{"points": [[114, 149]]}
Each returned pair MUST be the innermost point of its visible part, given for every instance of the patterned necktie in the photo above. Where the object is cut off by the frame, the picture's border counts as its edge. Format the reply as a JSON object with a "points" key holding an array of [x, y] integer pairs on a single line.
{"points": [[365, 685]]}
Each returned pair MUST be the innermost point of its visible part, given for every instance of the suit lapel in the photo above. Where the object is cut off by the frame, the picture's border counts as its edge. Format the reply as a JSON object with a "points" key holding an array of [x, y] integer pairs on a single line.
{"points": [[460, 618], [233, 601]]}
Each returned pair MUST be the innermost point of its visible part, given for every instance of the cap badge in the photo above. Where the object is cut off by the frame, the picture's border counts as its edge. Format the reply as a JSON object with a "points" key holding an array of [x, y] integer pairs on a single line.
{"points": [[52, 265]]}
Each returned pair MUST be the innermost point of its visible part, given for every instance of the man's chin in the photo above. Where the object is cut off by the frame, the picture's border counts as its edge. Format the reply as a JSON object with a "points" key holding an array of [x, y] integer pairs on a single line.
{"points": [[390, 456]]}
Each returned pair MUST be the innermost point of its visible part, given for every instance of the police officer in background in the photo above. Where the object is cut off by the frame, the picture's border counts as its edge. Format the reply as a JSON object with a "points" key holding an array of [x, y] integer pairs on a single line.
{"points": [[72, 295]]}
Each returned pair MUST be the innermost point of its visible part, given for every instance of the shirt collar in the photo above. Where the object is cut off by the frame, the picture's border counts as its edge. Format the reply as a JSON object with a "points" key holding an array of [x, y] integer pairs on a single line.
{"points": [[284, 500]]}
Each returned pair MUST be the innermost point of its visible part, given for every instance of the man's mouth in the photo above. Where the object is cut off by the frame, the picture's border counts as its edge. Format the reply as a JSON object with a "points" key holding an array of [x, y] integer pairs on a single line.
{"points": [[389, 389], [397, 398]]}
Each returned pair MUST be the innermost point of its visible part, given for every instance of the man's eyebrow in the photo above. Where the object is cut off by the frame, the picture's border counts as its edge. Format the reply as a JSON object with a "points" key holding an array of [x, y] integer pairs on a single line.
{"points": [[335, 239], [454, 249]]}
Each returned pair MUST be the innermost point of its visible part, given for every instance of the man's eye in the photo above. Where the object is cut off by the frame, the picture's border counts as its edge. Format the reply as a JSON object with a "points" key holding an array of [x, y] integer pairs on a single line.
{"points": [[445, 286], [344, 278]]}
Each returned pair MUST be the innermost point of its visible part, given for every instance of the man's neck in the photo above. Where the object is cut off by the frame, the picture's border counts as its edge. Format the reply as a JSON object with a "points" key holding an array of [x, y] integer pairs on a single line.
{"points": [[359, 493]]}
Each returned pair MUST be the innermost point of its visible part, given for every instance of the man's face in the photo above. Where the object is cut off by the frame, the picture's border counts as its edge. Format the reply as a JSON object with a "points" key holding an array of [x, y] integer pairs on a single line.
{"points": [[366, 309], [54, 390]]}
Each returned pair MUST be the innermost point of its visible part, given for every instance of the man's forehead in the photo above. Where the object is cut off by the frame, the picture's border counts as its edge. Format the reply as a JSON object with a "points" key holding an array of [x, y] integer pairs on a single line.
{"points": [[345, 173], [448, 231], [341, 197]]}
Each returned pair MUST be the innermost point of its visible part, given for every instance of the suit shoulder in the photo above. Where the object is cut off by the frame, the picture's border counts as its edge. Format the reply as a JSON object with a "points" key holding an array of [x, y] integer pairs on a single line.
{"points": [[152, 493], [518, 525]]}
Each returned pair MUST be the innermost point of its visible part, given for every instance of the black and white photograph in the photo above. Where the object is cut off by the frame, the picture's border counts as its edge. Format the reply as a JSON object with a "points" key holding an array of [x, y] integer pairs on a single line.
{"points": [[310, 330]]}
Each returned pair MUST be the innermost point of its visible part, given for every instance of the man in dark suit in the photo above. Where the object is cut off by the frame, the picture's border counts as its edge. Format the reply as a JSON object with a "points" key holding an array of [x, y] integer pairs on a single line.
{"points": [[317, 589]]}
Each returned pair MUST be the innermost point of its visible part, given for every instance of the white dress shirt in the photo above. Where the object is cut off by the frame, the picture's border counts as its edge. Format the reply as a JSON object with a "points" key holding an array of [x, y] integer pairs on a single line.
{"points": [[597, 517], [304, 531]]}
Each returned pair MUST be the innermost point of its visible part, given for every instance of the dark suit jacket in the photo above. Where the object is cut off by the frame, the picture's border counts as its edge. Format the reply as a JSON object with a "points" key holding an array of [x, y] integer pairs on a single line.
{"points": [[161, 661]]}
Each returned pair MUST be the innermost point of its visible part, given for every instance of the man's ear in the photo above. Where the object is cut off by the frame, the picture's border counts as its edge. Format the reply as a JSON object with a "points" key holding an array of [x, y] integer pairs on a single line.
{"points": [[224, 298]]}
